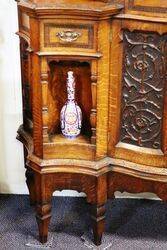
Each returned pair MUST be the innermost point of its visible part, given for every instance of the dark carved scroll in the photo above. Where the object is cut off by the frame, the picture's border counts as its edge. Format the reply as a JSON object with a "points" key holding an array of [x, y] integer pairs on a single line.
{"points": [[143, 87]]}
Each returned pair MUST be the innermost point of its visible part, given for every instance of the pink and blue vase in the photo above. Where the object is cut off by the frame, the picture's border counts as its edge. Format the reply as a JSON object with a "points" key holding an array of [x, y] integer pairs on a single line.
{"points": [[71, 114]]}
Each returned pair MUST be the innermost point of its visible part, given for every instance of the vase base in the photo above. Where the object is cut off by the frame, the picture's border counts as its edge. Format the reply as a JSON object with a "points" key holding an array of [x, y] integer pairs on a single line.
{"points": [[71, 137]]}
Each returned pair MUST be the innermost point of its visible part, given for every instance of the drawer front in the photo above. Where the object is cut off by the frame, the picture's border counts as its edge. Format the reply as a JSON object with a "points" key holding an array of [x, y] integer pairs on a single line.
{"points": [[69, 35]]}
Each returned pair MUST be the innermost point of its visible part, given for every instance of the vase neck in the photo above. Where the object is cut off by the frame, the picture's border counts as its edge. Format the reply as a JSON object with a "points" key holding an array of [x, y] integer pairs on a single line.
{"points": [[70, 86]]}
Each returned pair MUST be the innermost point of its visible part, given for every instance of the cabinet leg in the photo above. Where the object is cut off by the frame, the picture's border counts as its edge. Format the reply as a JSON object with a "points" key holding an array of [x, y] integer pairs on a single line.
{"points": [[29, 179], [43, 206], [98, 208], [98, 221], [43, 219], [31, 185]]}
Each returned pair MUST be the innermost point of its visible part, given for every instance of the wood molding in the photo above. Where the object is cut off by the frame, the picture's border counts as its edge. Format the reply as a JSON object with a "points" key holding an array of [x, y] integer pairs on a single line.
{"points": [[71, 54], [94, 168], [122, 182], [95, 10], [153, 8], [141, 18]]}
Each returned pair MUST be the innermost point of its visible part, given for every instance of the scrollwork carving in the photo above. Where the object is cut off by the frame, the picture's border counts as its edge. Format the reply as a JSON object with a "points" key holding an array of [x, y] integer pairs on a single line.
{"points": [[143, 88]]}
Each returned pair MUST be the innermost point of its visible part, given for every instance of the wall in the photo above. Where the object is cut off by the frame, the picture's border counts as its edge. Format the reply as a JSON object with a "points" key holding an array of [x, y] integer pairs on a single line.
{"points": [[12, 171], [11, 155]]}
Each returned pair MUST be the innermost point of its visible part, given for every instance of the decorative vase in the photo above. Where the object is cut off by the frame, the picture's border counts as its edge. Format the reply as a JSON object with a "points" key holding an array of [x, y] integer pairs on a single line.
{"points": [[71, 114]]}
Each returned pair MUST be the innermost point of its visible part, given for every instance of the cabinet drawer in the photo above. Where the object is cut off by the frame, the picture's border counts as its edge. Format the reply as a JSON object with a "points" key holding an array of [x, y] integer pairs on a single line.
{"points": [[69, 35]]}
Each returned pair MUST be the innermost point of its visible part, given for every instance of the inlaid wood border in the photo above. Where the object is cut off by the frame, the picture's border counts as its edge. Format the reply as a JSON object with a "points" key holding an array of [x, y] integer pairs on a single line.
{"points": [[48, 26], [132, 6]]}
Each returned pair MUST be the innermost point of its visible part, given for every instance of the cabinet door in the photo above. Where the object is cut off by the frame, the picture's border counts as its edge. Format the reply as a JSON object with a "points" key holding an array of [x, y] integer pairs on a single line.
{"points": [[138, 97]]}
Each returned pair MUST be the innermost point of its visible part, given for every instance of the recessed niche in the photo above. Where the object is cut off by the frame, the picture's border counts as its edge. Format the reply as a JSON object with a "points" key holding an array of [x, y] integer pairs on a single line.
{"points": [[57, 94]]}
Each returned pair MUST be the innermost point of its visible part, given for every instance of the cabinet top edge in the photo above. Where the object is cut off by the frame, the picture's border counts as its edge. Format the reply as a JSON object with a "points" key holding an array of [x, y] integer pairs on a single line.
{"points": [[82, 7]]}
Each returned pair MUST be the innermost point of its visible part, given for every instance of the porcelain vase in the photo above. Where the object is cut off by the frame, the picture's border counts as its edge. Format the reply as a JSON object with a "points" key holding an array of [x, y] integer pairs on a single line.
{"points": [[71, 114]]}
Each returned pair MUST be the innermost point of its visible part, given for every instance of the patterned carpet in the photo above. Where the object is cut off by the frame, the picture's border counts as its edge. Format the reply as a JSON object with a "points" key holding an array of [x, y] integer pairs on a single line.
{"points": [[131, 224]]}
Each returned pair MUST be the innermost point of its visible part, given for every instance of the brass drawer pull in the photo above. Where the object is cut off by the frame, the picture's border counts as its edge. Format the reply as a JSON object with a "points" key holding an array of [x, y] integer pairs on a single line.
{"points": [[68, 36]]}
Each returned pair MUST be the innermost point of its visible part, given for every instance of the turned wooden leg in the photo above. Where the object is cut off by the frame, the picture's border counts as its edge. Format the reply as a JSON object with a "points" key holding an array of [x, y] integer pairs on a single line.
{"points": [[98, 221], [43, 206], [98, 209]]}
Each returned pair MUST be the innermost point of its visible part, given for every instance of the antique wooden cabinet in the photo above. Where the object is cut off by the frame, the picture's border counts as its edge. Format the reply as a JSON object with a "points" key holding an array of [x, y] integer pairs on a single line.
{"points": [[118, 53]]}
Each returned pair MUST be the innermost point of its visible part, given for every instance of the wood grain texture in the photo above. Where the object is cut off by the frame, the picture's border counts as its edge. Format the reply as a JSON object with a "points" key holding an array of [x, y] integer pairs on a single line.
{"points": [[93, 113], [150, 8], [125, 151], [50, 28], [122, 183], [103, 89], [26, 85], [143, 86], [149, 5], [44, 83], [95, 168], [85, 31], [46, 184], [85, 8], [107, 60], [36, 90], [115, 85]]}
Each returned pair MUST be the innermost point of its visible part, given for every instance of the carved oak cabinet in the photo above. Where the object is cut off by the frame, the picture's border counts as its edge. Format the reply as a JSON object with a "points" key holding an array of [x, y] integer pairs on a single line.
{"points": [[118, 53]]}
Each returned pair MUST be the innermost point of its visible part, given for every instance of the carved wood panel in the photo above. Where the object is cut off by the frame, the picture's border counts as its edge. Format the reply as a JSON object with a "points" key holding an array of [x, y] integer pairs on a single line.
{"points": [[143, 87]]}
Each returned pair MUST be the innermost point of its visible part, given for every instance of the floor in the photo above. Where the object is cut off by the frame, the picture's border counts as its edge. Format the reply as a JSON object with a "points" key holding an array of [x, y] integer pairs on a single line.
{"points": [[130, 224]]}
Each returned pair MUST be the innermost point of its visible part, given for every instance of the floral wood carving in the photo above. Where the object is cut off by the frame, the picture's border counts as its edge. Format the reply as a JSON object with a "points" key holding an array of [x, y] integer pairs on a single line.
{"points": [[143, 88]]}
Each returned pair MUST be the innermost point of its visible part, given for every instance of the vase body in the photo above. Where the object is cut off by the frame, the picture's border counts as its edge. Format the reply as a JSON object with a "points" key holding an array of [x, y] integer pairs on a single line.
{"points": [[71, 115]]}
